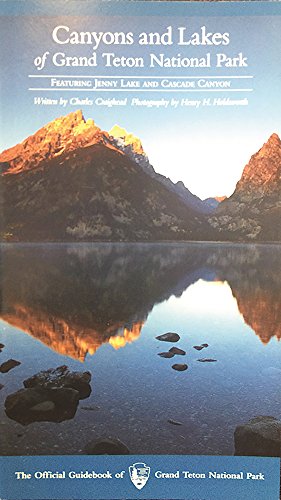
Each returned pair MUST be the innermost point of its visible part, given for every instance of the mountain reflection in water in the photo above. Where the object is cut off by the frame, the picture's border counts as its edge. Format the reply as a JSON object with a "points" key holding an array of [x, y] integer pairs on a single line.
{"points": [[74, 298]]}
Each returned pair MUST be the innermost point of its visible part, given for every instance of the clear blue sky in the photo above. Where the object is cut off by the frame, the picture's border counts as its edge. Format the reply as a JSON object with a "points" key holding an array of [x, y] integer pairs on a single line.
{"points": [[206, 148]]}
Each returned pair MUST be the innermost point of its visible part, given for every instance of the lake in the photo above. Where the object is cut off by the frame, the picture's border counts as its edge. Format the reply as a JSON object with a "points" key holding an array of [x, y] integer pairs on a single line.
{"points": [[99, 307]]}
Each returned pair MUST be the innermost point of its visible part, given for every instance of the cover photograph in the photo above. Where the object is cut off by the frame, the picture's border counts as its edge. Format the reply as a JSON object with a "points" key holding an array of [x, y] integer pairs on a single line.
{"points": [[140, 152]]}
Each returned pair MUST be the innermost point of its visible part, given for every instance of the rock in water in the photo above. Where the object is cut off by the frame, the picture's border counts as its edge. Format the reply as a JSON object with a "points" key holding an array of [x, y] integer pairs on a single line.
{"points": [[169, 337], [9, 365], [174, 422], [261, 437], [176, 350], [207, 360], [51, 395], [200, 347], [62, 377], [40, 404], [107, 446], [180, 367], [166, 354]]}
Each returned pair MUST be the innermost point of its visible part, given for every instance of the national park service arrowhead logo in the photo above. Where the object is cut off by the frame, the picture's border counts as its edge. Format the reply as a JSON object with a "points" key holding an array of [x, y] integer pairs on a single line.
{"points": [[139, 474]]}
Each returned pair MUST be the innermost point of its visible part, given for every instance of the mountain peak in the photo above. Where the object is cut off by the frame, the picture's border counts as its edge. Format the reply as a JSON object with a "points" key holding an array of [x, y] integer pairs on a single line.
{"points": [[73, 124], [263, 170], [274, 139], [272, 145], [127, 139], [72, 118], [63, 134], [118, 131]]}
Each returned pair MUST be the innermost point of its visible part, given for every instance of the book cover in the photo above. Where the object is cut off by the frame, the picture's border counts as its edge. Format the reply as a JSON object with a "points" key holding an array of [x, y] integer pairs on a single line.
{"points": [[141, 250]]}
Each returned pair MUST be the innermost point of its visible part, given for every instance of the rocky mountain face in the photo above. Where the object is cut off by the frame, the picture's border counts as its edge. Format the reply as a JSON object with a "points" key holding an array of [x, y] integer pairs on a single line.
{"points": [[72, 181], [63, 135], [253, 212], [126, 141]]}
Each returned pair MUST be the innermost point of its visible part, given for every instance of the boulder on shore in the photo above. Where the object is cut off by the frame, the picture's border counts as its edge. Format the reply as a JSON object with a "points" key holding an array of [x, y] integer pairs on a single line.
{"points": [[107, 446], [261, 437]]}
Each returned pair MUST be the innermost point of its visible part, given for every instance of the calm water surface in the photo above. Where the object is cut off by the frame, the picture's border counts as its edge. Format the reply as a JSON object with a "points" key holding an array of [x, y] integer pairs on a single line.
{"points": [[99, 307]]}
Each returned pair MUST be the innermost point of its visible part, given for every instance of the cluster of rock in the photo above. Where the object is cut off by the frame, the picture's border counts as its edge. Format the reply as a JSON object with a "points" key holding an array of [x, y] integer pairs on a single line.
{"points": [[176, 351], [261, 436], [51, 395]]}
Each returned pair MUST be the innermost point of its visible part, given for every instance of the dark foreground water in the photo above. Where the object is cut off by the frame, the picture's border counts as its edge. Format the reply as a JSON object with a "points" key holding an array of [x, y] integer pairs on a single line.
{"points": [[99, 307]]}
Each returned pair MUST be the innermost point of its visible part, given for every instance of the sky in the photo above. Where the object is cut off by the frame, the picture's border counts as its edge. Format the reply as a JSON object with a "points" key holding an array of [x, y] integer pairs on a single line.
{"points": [[206, 147]]}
